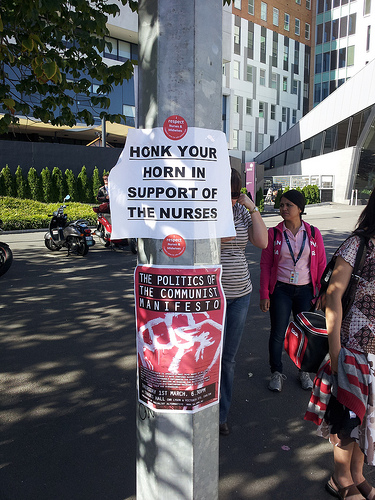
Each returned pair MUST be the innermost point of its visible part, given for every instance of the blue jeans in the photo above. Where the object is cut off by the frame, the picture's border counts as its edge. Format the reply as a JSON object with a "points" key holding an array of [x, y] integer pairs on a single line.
{"points": [[234, 324], [285, 299]]}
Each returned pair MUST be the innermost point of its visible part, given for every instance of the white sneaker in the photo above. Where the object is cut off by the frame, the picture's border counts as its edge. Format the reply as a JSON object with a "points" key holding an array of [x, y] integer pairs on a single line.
{"points": [[276, 382], [306, 382]]}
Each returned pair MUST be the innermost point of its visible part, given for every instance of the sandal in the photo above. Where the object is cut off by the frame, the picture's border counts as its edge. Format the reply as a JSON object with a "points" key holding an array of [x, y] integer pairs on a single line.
{"points": [[342, 493], [366, 490]]}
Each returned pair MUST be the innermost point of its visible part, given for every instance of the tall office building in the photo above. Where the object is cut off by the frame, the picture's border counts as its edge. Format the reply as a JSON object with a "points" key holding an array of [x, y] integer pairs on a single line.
{"points": [[266, 71], [343, 44]]}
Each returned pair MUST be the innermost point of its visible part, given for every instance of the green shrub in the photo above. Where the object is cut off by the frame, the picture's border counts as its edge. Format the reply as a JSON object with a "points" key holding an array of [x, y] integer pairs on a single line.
{"points": [[8, 181], [278, 198], [29, 214], [34, 184], [21, 184], [83, 187], [59, 189], [97, 182], [46, 181], [71, 184]]}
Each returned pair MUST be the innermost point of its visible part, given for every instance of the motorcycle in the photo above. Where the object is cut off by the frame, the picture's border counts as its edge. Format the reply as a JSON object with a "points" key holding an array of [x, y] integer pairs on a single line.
{"points": [[75, 236], [104, 230], [6, 256]]}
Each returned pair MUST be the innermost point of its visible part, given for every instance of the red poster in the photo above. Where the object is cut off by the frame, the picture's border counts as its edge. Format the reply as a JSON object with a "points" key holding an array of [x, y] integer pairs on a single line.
{"points": [[179, 319]]}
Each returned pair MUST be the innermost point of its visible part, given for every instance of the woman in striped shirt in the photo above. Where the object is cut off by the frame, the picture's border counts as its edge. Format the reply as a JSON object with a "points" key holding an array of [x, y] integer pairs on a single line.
{"points": [[237, 285]]}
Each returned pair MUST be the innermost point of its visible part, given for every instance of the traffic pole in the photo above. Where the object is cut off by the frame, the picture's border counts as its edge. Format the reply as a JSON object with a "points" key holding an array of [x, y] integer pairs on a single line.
{"points": [[180, 73]]}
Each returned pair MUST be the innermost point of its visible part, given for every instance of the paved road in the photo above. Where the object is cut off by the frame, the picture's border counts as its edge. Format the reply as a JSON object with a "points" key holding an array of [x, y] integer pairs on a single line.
{"points": [[67, 382]]}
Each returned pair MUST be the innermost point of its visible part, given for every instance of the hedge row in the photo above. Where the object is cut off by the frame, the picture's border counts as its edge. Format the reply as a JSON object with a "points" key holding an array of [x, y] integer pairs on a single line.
{"points": [[311, 193], [51, 186], [19, 214]]}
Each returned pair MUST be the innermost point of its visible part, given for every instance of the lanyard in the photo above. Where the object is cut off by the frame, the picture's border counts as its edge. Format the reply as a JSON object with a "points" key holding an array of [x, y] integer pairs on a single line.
{"points": [[290, 247]]}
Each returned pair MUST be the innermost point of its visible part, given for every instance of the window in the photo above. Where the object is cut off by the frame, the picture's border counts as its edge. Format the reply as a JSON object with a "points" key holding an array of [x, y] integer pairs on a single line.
{"points": [[272, 139], [263, 11], [297, 27], [319, 34], [273, 81], [327, 32], [295, 87], [275, 18], [260, 142], [335, 29], [352, 23], [368, 38], [343, 26], [263, 44], [286, 22], [262, 77], [249, 73], [294, 116], [236, 104], [318, 63], [273, 112], [119, 50], [249, 106], [283, 114], [237, 38], [325, 89], [285, 83], [237, 4], [261, 109], [235, 139], [326, 61], [250, 40], [236, 70], [274, 50], [367, 8], [250, 7], [333, 60], [129, 112], [286, 58], [350, 58], [307, 31], [308, 4], [298, 2], [248, 141], [342, 58], [306, 90]]}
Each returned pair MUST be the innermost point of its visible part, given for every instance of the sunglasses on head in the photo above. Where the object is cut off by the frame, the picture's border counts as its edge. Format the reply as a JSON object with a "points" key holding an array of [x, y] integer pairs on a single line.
{"points": [[235, 195]]}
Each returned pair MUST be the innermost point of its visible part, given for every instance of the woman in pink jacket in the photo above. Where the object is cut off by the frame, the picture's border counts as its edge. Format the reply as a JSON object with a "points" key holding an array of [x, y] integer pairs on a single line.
{"points": [[291, 268]]}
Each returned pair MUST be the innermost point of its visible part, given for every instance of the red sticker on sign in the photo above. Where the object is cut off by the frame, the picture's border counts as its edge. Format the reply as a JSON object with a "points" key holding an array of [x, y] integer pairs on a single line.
{"points": [[175, 127], [174, 245]]}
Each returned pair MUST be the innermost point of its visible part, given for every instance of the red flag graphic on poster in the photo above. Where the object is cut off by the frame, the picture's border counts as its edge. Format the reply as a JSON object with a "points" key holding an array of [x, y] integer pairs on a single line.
{"points": [[179, 319]]}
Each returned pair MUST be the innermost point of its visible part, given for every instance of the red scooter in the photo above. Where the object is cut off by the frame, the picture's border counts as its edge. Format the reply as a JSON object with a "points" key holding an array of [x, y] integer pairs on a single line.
{"points": [[104, 230]]}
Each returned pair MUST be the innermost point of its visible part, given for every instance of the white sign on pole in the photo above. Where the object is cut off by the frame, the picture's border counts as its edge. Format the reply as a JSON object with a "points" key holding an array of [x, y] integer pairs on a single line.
{"points": [[172, 181]]}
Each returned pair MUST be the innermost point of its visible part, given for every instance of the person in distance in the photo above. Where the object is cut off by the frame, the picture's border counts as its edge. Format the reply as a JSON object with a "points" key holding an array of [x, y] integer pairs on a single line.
{"points": [[237, 285], [290, 270], [346, 402]]}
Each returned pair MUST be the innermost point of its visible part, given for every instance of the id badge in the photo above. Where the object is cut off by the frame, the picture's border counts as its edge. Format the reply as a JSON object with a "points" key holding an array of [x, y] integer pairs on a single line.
{"points": [[293, 280]]}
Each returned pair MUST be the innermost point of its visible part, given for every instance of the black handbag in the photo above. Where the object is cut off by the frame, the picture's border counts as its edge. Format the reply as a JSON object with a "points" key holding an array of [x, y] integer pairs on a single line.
{"points": [[306, 341]]}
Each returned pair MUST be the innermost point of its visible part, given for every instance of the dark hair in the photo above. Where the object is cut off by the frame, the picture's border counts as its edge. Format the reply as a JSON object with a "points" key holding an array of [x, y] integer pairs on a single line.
{"points": [[366, 221], [235, 180]]}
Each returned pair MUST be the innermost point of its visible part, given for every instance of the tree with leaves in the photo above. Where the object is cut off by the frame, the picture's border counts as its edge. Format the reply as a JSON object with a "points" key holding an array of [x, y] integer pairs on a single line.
{"points": [[96, 183], [34, 184], [45, 176], [51, 53], [58, 185], [71, 184], [83, 186], [8, 181], [21, 184]]}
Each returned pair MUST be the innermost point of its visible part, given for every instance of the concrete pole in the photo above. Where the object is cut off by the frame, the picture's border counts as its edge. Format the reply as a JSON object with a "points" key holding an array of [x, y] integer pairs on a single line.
{"points": [[180, 66]]}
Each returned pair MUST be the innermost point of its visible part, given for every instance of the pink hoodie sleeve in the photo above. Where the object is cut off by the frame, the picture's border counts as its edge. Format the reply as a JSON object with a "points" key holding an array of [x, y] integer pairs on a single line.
{"points": [[266, 262]]}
